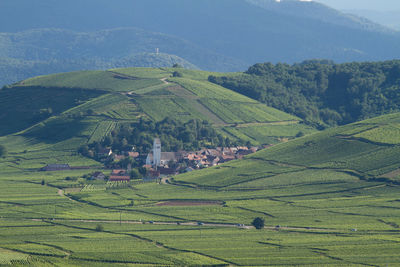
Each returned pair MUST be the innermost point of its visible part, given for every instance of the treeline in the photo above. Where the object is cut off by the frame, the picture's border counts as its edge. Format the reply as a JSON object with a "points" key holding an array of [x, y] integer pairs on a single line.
{"points": [[321, 92], [174, 136]]}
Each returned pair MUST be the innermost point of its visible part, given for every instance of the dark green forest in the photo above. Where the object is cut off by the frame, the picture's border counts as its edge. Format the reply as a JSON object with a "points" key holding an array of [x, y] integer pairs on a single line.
{"points": [[321, 92]]}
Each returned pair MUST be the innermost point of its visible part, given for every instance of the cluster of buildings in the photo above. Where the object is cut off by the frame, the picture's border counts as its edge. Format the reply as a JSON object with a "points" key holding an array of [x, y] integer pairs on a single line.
{"points": [[160, 163], [168, 163]]}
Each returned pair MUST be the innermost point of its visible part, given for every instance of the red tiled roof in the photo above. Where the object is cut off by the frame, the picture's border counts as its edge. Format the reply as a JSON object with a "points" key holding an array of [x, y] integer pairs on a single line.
{"points": [[118, 172], [133, 154], [119, 178]]}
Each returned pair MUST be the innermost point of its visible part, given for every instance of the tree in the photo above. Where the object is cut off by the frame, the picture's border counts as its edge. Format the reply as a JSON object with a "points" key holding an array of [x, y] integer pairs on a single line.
{"points": [[135, 174], [177, 74], [99, 228], [143, 171], [3, 151], [258, 223]]}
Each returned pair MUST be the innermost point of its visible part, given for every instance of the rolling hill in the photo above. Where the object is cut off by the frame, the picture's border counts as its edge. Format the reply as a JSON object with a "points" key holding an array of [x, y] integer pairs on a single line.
{"points": [[62, 112], [366, 150]]}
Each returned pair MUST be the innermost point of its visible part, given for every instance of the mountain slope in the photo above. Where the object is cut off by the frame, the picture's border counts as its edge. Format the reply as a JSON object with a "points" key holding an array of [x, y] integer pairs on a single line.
{"points": [[74, 109], [45, 51], [276, 34], [317, 11]]}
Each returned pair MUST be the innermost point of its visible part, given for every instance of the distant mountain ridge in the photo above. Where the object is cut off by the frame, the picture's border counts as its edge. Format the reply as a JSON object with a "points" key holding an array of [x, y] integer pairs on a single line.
{"points": [[318, 11], [46, 51], [224, 35]]}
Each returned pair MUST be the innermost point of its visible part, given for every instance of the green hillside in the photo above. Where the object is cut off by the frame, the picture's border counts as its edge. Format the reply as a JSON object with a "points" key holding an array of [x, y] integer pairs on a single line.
{"points": [[68, 110], [321, 91], [328, 199], [368, 150]]}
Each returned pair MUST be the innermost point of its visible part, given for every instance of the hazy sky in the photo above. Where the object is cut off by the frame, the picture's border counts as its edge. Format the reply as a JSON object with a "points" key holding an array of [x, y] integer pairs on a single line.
{"points": [[379, 5]]}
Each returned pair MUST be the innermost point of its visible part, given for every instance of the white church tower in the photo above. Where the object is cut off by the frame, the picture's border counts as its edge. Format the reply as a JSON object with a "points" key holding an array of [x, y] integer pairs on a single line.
{"points": [[157, 152]]}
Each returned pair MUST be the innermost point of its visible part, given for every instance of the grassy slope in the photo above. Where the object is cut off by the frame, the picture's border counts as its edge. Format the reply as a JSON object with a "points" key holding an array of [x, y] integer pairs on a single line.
{"points": [[315, 187], [367, 149], [87, 105]]}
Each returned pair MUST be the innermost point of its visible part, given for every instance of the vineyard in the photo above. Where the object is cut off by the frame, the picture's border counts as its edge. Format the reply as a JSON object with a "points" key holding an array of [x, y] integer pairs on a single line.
{"points": [[328, 198]]}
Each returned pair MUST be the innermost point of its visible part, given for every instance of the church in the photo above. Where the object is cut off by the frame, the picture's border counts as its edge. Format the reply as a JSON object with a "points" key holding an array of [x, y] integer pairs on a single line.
{"points": [[158, 158]]}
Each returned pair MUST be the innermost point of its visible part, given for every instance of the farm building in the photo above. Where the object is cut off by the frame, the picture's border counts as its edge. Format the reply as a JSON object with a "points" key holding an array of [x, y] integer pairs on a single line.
{"points": [[56, 167], [119, 175], [98, 176], [120, 178]]}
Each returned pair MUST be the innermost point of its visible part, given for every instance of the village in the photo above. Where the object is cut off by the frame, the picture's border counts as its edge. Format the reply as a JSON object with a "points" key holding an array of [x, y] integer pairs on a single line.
{"points": [[157, 164]]}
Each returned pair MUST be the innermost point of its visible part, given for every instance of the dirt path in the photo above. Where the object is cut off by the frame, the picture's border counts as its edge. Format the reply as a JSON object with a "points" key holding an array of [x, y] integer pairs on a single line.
{"points": [[224, 225], [164, 80]]}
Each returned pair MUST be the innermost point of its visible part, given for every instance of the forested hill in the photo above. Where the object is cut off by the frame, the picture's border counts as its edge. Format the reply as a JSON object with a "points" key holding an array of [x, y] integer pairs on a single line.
{"points": [[320, 91]]}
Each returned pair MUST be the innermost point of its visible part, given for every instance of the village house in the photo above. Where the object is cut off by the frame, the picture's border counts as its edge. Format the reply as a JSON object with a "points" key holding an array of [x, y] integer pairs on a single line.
{"points": [[98, 176], [157, 162], [118, 157], [119, 175], [134, 155]]}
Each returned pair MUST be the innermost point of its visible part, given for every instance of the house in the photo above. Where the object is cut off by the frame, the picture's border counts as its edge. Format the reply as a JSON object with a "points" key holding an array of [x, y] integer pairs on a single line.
{"points": [[98, 176], [118, 157], [120, 178], [119, 175], [133, 154], [56, 167], [118, 172], [154, 173], [226, 158], [244, 152]]}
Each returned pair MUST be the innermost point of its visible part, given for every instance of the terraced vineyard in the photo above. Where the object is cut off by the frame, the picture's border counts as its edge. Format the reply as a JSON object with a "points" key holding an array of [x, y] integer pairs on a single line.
{"points": [[56, 114], [329, 213], [328, 199]]}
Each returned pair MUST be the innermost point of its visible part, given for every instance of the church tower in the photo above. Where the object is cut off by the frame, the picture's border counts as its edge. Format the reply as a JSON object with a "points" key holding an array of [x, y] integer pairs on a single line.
{"points": [[157, 152]]}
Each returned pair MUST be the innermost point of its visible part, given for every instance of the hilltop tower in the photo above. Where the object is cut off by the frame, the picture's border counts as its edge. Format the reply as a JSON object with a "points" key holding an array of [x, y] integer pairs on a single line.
{"points": [[157, 152]]}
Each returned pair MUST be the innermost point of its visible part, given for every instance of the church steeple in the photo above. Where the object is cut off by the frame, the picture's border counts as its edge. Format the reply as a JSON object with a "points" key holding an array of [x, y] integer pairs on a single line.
{"points": [[157, 153]]}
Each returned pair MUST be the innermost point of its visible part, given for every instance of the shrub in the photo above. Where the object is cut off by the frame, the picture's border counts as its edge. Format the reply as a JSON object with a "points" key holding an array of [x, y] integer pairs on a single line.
{"points": [[258, 223], [177, 74], [3, 151]]}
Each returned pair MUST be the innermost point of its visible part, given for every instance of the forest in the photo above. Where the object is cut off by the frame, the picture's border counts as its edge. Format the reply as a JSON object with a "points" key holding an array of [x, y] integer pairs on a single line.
{"points": [[321, 92]]}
